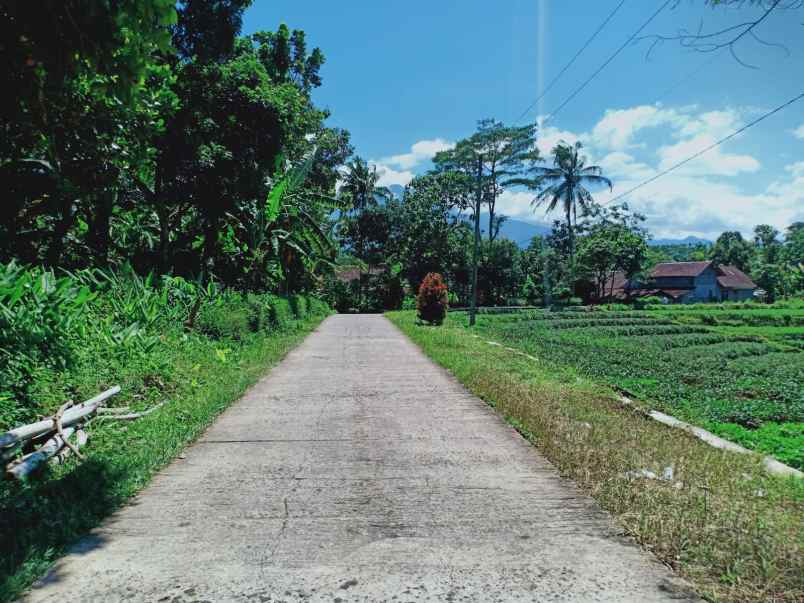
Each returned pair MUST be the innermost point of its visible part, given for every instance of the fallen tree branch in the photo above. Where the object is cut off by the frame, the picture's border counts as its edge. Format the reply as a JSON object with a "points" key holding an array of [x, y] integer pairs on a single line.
{"points": [[71, 417], [9, 453], [110, 411], [57, 420], [30, 462], [129, 417], [81, 439]]}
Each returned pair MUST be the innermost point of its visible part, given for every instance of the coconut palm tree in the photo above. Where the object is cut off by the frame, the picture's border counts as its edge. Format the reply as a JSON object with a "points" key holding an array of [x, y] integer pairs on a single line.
{"points": [[565, 183], [360, 184], [361, 191]]}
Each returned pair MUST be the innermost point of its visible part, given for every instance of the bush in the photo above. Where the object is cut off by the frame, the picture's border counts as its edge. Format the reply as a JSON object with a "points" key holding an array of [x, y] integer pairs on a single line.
{"points": [[281, 312], [317, 307], [259, 313], [433, 299], [298, 303], [60, 337], [650, 300], [40, 326], [225, 320]]}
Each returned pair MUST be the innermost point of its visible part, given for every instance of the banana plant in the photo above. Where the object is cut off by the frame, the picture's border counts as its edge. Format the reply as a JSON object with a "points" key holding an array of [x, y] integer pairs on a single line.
{"points": [[284, 230]]}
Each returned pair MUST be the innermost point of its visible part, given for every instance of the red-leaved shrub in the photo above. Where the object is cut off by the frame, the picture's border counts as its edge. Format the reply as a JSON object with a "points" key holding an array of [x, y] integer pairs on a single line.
{"points": [[432, 300]]}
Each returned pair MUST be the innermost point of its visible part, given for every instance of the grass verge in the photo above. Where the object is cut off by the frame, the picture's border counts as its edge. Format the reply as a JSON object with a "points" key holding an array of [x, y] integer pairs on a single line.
{"points": [[40, 519], [720, 521]]}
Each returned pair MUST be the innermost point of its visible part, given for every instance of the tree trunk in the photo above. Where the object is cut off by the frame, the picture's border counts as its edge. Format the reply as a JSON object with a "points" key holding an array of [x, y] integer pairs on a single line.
{"points": [[63, 226], [210, 237], [492, 200], [571, 232], [101, 223], [473, 310], [164, 234]]}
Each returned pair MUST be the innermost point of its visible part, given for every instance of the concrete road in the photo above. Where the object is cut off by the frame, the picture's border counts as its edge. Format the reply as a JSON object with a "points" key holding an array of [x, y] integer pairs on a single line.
{"points": [[359, 471]]}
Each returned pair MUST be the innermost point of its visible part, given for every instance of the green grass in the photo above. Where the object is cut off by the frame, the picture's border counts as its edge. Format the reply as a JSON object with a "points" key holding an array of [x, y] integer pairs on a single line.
{"points": [[722, 522], [197, 376]]}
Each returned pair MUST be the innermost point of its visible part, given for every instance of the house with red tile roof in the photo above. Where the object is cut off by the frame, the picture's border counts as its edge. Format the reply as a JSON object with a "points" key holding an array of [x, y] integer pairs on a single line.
{"points": [[685, 282]]}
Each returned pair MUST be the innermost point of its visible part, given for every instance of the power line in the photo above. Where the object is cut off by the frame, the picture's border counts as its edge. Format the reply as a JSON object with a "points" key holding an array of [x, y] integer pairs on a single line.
{"points": [[571, 61], [609, 60], [707, 149]]}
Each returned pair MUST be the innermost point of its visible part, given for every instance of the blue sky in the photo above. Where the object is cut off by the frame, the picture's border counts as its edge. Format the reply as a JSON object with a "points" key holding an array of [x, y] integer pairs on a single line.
{"points": [[409, 78]]}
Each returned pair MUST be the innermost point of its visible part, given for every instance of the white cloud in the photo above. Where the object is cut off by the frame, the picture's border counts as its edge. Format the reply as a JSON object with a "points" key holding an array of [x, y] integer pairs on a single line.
{"points": [[713, 123], [712, 163], [388, 176], [688, 204], [799, 132], [548, 137], [797, 169], [622, 165], [517, 205], [398, 169], [618, 127], [420, 152]]}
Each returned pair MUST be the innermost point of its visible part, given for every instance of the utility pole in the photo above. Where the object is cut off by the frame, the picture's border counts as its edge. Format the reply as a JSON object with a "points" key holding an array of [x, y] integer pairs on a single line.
{"points": [[478, 199], [548, 293]]}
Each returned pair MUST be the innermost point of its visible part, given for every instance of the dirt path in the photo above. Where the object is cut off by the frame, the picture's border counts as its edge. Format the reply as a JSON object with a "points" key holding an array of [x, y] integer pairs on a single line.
{"points": [[359, 471]]}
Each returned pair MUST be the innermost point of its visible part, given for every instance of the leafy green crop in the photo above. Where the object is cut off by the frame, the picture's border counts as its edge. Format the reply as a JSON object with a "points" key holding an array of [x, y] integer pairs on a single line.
{"points": [[685, 369]]}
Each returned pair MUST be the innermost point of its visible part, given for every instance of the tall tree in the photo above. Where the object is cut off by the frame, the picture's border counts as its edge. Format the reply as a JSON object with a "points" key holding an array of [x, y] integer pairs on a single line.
{"points": [[730, 248], [565, 184], [427, 222], [364, 226], [613, 241], [504, 152], [361, 185]]}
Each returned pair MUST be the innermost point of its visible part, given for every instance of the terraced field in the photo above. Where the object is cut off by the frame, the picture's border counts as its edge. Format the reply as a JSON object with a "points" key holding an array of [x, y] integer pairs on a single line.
{"points": [[739, 373]]}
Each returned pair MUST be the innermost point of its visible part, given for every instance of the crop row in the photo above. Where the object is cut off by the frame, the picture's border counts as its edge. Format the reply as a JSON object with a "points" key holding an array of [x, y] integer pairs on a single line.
{"points": [[736, 318], [529, 315], [690, 372]]}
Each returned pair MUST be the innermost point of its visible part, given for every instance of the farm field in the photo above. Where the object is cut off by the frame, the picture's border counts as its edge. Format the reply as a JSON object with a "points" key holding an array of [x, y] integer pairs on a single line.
{"points": [[736, 372]]}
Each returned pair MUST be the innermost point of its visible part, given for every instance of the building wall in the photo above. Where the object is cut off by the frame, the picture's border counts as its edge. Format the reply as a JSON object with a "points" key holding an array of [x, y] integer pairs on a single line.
{"points": [[706, 287], [673, 282], [738, 294]]}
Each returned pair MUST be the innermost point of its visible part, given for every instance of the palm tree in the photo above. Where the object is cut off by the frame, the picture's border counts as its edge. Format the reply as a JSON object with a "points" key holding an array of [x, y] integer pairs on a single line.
{"points": [[361, 187], [565, 183], [360, 183]]}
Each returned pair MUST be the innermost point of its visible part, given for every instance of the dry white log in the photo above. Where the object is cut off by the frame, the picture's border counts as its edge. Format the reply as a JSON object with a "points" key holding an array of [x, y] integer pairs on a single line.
{"points": [[28, 464], [111, 411], [129, 417], [9, 454], [81, 439], [71, 417], [57, 422]]}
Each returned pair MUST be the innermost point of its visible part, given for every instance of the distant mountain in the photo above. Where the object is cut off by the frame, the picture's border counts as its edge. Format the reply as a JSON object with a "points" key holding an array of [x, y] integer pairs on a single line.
{"points": [[397, 190], [518, 231], [689, 241], [521, 232]]}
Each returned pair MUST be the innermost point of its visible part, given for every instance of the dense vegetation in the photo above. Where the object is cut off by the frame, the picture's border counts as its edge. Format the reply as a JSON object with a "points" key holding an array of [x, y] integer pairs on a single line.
{"points": [[170, 143], [69, 337], [81, 334], [743, 385], [168, 190], [170, 172]]}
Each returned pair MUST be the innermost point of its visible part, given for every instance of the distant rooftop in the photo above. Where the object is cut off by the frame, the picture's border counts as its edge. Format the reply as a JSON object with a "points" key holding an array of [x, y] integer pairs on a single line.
{"points": [[688, 269]]}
